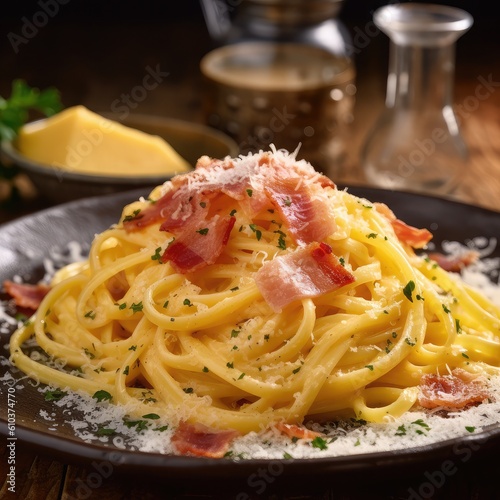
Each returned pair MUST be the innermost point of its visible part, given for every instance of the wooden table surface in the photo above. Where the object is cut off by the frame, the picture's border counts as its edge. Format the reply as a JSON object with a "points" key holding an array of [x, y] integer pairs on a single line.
{"points": [[88, 80]]}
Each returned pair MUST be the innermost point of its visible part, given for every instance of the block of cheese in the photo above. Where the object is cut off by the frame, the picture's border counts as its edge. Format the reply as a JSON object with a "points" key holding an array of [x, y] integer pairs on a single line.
{"points": [[79, 140]]}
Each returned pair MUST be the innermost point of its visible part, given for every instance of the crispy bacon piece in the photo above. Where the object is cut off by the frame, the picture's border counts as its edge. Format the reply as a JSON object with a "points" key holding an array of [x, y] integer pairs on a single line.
{"points": [[198, 247], [25, 295], [452, 392], [412, 236], [202, 441], [257, 183], [296, 431], [308, 217], [454, 263], [308, 272]]}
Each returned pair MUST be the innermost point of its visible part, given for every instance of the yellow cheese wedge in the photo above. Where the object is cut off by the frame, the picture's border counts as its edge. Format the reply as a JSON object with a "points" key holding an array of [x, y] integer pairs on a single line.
{"points": [[79, 140]]}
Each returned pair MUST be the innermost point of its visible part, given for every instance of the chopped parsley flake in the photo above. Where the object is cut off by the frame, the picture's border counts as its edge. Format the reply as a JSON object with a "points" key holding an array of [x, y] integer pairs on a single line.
{"points": [[297, 370], [205, 369], [132, 216], [241, 376], [132, 348], [126, 370], [136, 307], [54, 395], [258, 232], [281, 242], [371, 235], [233, 212], [203, 231], [249, 192], [90, 314], [122, 306], [105, 431], [102, 396], [187, 302], [370, 367], [319, 442], [401, 431], [287, 202], [91, 355], [157, 255], [188, 390], [410, 342], [446, 310], [230, 365], [151, 416], [457, 326], [235, 333], [408, 290], [470, 428]]}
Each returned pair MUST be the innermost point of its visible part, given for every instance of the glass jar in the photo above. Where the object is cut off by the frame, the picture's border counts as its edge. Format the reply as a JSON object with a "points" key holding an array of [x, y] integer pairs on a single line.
{"points": [[416, 143], [283, 75]]}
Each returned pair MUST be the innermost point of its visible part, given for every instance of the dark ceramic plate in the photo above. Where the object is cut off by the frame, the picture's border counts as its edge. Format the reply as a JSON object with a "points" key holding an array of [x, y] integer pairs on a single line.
{"points": [[80, 220]]}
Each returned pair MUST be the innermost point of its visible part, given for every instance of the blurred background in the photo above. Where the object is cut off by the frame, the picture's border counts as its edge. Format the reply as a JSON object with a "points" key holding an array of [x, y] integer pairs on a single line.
{"points": [[96, 52]]}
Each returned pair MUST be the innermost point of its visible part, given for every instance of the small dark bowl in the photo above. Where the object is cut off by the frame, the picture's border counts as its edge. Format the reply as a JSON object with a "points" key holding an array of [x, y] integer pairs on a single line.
{"points": [[190, 140]]}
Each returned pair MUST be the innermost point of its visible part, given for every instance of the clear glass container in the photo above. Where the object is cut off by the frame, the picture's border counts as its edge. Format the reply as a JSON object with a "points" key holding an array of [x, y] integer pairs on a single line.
{"points": [[416, 143]]}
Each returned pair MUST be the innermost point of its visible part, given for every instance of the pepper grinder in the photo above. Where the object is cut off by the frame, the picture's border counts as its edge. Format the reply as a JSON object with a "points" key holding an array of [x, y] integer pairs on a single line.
{"points": [[416, 143]]}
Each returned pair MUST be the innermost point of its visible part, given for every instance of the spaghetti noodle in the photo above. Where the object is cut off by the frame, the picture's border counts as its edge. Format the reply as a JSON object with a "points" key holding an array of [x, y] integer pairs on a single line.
{"points": [[252, 291]]}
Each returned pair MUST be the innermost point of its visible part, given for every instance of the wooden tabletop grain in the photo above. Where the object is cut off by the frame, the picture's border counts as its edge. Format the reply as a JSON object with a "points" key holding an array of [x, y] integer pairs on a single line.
{"points": [[82, 80]]}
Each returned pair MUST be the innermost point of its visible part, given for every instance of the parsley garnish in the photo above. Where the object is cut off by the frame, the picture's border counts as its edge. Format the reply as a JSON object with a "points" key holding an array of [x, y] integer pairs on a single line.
{"points": [[230, 365], [241, 376], [235, 333], [258, 232], [151, 416], [122, 306], [281, 240], [470, 428], [249, 192], [297, 370], [187, 302], [126, 370], [132, 216], [319, 442], [371, 235], [90, 314], [409, 342], [188, 390], [232, 213], [408, 290], [91, 355], [370, 367], [203, 231], [287, 202], [157, 255], [54, 395], [457, 326], [446, 310], [102, 396], [205, 369], [132, 348], [136, 307], [401, 430], [105, 431]]}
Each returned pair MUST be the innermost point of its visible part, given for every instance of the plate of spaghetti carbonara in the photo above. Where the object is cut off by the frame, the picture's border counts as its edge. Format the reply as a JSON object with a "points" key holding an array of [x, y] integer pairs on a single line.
{"points": [[252, 310]]}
